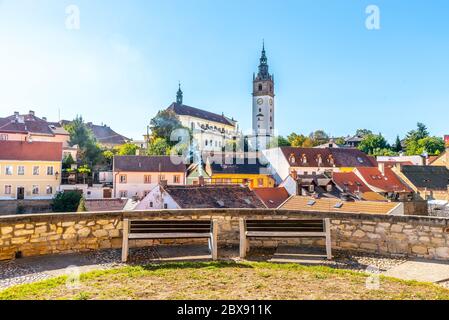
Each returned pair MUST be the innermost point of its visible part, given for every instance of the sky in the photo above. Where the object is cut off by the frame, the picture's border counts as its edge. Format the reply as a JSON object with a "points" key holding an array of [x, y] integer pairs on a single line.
{"points": [[124, 61]]}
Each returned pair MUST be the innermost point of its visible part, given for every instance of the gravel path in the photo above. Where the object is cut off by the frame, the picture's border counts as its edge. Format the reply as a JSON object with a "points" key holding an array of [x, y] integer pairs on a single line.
{"points": [[30, 270]]}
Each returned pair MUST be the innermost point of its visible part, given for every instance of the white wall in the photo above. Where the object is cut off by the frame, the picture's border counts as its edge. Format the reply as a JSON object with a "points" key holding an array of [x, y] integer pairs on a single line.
{"points": [[158, 197]]}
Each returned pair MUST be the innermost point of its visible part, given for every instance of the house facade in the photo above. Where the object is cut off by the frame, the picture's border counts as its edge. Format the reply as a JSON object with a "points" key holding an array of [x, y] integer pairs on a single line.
{"points": [[308, 161], [136, 176], [428, 182], [29, 127], [29, 170]]}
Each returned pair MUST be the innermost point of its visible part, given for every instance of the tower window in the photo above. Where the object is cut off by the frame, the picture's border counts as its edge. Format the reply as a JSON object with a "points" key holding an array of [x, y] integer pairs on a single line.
{"points": [[260, 109], [260, 87]]}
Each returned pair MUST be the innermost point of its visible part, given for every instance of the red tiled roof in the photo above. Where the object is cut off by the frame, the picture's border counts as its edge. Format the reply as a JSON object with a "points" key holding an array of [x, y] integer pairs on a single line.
{"points": [[388, 181], [272, 197], [29, 123], [30, 151], [349, 182], [330, 157]]}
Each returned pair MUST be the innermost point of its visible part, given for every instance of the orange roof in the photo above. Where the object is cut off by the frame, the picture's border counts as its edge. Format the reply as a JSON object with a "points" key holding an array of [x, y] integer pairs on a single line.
{"points": [[333, 205], [388, 182], [349, 182], [30, 151], [391, 164], [272, 197]]}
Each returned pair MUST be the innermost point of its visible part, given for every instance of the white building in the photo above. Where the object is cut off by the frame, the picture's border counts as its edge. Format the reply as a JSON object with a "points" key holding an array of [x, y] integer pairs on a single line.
{"points": [[210, 130]]}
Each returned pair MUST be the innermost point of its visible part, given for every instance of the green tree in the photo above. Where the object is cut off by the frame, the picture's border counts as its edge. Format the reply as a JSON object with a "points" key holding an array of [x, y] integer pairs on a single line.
{"points": [[158, 147], [296, 140], [397, 146], [127, 149], [363, 132], [163, 124], [66, 201], [67, 161], [82, 136], [373, 142], [430, 145], [279, 141], [319, 137]]}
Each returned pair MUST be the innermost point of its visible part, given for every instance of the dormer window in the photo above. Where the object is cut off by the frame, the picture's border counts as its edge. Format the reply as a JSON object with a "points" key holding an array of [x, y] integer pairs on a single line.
{"points": [[319, 160], [330, 159], [292, 158], [304, 159]]}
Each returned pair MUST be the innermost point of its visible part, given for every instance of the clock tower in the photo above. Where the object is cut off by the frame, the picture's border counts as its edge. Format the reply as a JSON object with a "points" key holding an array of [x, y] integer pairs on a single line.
{"points": [[263, 103]]}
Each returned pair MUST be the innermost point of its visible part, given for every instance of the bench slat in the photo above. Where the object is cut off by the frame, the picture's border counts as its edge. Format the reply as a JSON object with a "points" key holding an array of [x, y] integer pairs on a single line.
{"points": [[143, 236], [284, 234]]}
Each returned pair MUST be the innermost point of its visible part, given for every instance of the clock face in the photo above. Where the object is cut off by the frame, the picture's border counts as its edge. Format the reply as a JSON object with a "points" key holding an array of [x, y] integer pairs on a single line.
{"points": [[271, 102], [260, 101]]}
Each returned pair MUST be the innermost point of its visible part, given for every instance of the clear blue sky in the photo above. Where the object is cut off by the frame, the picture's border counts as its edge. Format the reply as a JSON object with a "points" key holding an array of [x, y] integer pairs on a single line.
{"points": [[331, 72]]}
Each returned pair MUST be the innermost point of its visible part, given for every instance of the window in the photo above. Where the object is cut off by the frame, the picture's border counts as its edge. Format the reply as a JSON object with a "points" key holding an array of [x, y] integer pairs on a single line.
{"points": [[8, 189], [35, 170], [260, 182], [260, 109], [147, 179], [21, 170], [161, 178], [177, 179], [123, 178], [123, 194], [151, 204], [165, 206], [205, 143], [311, 188], [260, 87], [146, 192], [329, 188], [35, 190], [50, 171], [3, 137], [8, 170], [49, 190]]}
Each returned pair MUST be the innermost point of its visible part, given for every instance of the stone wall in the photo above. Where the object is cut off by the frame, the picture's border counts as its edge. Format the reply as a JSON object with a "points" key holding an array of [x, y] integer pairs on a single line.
{"points": [[24, 206], [415, 236]]}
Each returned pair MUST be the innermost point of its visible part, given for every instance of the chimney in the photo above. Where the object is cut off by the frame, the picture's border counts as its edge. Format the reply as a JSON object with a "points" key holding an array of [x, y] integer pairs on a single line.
{"points": [[382, 168], [31, 113], [16, 114], [201, 181], [294, 175], [163, 183], [44, 118]]}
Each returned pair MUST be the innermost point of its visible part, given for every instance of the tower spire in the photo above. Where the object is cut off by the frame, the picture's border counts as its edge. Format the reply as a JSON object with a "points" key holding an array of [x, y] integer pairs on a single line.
{"points": [[179, 95], [263, 67]]}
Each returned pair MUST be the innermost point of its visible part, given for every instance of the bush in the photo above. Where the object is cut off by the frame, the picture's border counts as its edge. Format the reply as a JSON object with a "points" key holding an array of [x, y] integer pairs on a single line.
{"points": [[66, 201], [82, 205]]}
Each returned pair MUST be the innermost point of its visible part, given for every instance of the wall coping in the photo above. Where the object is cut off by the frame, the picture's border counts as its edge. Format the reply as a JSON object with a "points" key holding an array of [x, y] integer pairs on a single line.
{"points": [[49, 217]]}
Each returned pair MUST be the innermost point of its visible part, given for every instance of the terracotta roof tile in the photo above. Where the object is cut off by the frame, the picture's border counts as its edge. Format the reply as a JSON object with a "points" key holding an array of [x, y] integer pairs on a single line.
{"points": [[272, 197], [216, 196], [349, 182], [330, 157], [388, 182], [329, 205], [30, 151]]}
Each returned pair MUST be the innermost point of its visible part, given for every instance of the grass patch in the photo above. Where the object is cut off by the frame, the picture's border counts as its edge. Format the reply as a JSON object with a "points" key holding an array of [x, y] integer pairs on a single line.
{"points": [[224, 280]]}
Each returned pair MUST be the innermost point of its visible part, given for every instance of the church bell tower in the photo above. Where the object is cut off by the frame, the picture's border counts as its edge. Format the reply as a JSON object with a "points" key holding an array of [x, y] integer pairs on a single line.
{"points": [[263, 103]]}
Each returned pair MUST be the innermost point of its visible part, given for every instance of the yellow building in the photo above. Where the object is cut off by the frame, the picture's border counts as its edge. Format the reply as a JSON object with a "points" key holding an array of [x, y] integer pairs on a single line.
{"points": [[29, 170], [442, 160], [250, 172]]}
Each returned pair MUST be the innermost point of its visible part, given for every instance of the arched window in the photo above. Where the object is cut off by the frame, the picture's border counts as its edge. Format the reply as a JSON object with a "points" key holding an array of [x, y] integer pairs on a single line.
{"points": [[260, 87], [304, 159], [292, 158]]}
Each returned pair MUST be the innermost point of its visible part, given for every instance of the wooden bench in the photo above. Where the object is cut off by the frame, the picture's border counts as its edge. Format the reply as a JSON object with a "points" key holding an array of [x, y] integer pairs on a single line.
{"points": [[284, 229], [169, 229]]}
